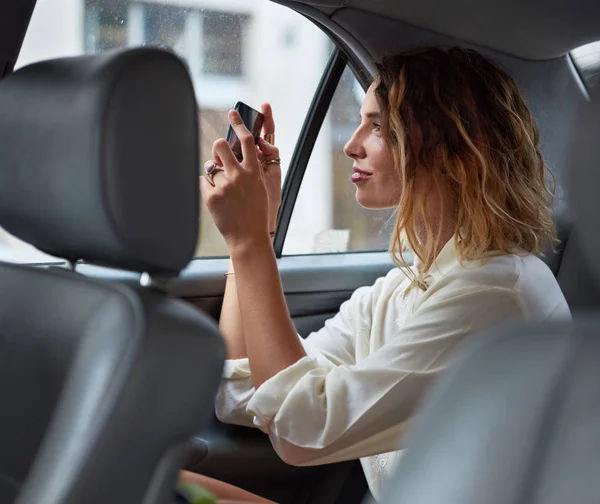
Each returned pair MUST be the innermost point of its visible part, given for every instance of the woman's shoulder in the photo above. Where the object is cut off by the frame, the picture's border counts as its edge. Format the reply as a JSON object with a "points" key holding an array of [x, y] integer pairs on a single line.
{"points": [[502, 270], [523, 273], [539, 288], [498, 270], [519, 268]]}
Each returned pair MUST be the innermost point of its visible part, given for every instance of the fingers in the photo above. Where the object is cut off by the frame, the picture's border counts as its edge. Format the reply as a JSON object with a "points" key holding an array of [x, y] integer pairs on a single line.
{"points": [[269, 123], [268, 150], [215, 157], [205, 188], [225, 154], [246, 140], [211, 170]]}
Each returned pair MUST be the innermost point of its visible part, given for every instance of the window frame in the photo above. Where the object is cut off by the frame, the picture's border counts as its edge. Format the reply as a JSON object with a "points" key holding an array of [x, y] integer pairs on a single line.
{"points": [[587, 79], [304, 146], [340, 58]]}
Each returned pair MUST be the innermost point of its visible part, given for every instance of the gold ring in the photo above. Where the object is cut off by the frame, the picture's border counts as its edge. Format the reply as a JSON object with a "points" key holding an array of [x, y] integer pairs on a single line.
{"points": [[269, 137], [272, 161]]}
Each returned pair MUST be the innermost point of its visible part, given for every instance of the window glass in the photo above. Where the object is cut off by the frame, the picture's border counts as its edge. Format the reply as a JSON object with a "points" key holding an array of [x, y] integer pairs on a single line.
{"points": [[222, 55], [163, 25], [105, 29], [252, 51], [587, 59], [326, 216]]}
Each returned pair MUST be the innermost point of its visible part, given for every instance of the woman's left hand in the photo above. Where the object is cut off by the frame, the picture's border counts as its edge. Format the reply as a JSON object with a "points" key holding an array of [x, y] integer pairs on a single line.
{"points": [[238, 199]]}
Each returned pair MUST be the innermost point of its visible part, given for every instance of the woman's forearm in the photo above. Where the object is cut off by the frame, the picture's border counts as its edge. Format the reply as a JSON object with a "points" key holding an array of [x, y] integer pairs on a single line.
{"points": [[230, 321], [269, 334]]}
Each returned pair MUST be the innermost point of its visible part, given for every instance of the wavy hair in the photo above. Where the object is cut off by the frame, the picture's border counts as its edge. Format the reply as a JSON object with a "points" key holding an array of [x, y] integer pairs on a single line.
{"points": [[456, 112]]}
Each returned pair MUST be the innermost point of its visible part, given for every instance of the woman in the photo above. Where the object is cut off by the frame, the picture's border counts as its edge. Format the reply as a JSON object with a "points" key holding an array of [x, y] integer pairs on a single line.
{"points": [[446, 139]]}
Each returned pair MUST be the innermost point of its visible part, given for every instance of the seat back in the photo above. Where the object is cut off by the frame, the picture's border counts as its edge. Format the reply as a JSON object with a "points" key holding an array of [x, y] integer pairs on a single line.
{"points": [[573, 271], [571, 267], [515, 419], [102, 384]]}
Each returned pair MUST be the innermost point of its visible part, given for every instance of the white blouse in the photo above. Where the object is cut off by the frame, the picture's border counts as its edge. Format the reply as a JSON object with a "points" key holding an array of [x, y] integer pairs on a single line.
{"points": [[368, 367]]}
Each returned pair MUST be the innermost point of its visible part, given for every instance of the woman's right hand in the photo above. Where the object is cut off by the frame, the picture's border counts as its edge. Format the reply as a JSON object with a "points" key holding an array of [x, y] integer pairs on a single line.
{"points": [[272, 172]]}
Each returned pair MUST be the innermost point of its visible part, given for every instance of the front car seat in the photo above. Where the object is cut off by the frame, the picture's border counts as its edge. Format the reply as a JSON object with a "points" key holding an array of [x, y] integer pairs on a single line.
{"points": [[102, 384], [516, 419]]}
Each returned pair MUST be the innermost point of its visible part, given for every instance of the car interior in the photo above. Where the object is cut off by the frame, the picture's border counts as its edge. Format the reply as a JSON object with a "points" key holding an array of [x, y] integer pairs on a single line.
{"points": [[110, 357], [515, 418]]}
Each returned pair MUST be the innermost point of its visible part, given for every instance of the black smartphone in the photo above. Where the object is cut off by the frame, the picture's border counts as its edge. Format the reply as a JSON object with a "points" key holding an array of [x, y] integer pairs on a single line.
{"points": [[253, 120]]}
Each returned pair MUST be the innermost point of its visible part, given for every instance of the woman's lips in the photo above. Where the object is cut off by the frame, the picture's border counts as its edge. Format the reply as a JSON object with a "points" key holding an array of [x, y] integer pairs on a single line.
{"points": [[359, 175]]}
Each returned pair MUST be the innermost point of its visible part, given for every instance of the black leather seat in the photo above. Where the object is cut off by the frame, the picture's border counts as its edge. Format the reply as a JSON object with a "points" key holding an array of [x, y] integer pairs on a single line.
{"points": [[101, 384], [572, 269], [516, 418]]}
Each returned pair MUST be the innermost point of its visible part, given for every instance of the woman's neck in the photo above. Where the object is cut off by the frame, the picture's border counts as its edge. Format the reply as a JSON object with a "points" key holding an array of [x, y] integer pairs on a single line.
{"points": [[445, 227]]}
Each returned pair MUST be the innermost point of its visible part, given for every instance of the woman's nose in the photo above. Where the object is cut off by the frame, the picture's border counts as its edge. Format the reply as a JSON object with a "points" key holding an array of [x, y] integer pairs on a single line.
{"points": [[353, 149]]}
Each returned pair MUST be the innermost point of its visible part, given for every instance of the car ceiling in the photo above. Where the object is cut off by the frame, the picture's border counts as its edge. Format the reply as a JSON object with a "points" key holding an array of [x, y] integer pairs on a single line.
{"points": [[530, 29]]}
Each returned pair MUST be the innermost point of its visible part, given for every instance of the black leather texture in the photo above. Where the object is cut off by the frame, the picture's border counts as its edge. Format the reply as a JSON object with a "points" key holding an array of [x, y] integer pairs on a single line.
{"points": [[99, 159], [103, 384], [578, 271], [571, 266], [515, 420], [584, 178], [99, 382], [575, 276]]}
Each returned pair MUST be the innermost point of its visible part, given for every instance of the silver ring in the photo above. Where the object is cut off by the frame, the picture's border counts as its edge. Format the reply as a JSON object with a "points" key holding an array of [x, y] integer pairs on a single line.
{"points": [[216, 169]]}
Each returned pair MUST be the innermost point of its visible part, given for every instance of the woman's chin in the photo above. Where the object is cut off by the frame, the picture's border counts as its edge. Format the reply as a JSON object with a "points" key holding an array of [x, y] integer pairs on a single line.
{"points": [[366, 200]]}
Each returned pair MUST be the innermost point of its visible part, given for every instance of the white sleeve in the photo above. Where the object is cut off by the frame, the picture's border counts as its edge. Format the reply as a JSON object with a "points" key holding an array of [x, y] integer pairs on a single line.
{"points": [[333, 345], [318, 414]]}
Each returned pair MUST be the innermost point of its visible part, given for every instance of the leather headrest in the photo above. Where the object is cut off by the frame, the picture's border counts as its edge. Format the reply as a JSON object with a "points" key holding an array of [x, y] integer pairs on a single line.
{"points": [[584, 190], [99, 159]]}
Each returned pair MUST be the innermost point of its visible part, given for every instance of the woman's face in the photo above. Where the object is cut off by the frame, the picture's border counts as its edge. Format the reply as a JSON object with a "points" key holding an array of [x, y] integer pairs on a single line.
{"points": [[373, 172]]}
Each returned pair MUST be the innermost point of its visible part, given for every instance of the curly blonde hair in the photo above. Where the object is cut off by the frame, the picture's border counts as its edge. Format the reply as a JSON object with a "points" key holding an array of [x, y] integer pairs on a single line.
{"points": [[471, 120]]}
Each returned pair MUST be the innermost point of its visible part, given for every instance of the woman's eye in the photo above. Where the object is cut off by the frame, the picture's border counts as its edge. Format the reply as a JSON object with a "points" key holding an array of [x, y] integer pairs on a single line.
{"points": [[376, 128]]}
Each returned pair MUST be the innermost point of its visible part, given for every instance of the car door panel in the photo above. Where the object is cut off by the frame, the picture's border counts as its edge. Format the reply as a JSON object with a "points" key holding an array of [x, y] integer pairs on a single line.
{"points": [[309, 311], [244, 457], [315, 287]]}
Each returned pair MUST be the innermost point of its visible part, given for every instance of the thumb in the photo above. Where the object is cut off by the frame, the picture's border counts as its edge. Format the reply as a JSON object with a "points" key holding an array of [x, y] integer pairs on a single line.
{"points": [[266, 148]]}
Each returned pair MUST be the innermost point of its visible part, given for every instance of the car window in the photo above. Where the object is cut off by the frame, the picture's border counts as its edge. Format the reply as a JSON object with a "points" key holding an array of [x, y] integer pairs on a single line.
{"points": [[587, 60], [326, 217], [253, 51]]}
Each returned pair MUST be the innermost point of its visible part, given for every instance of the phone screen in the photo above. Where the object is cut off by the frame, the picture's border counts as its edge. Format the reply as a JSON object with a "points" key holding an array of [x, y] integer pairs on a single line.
{"points": [[253, 120]]}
